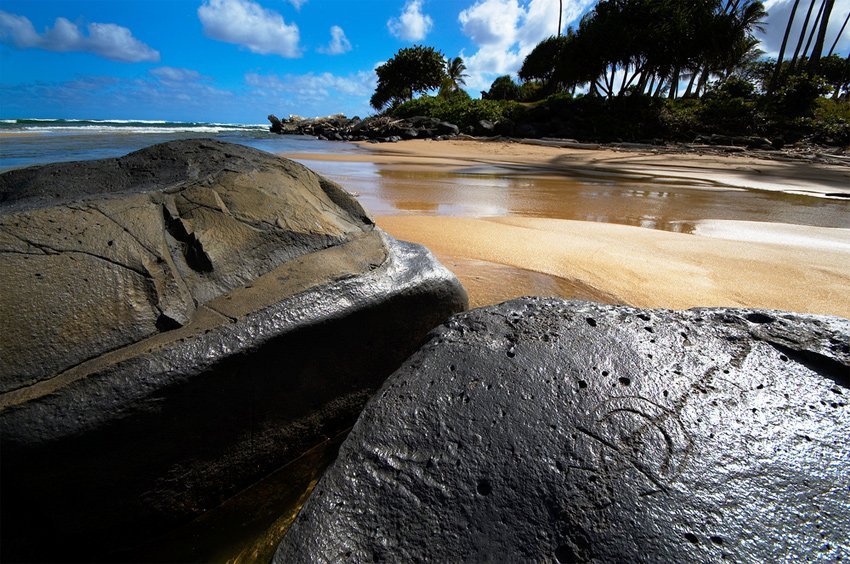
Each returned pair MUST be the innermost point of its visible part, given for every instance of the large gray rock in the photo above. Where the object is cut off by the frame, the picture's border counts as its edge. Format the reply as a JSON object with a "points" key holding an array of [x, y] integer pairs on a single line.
{"points": [[548, 430], [187, 318]]}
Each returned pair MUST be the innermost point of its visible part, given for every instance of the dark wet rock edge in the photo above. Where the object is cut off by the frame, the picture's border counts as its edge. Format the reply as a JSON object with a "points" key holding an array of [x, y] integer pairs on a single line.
{"points": [[471, 437], [123, 433]]}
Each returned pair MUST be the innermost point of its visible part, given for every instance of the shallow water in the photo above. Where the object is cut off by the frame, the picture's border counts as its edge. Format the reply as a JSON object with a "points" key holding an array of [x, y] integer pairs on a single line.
{"points": [[44, 145], [669, 206]]}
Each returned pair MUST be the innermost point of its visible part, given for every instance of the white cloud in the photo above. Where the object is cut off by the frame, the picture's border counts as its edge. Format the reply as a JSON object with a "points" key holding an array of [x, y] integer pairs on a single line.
{"points": [[107, 40], [778, 13], [339, 42], [315, 94], [312, 85], [412, 24], [173, 74], [505, 31], [491, 22], [297, 3], [247, 23]]}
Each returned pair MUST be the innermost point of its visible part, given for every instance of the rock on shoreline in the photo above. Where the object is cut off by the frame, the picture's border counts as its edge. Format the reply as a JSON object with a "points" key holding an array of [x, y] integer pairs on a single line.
{"points": [[183, 321], [381, 128], [547, 430]]}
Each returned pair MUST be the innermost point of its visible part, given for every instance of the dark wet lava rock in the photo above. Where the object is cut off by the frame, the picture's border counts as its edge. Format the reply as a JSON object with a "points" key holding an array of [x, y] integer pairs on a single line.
{"points": [[548, 430], [177, 324]]}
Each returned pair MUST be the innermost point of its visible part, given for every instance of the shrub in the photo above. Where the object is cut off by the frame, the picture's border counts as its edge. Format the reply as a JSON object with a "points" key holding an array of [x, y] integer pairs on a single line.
{"points": [[797, 97], [461, 112]]}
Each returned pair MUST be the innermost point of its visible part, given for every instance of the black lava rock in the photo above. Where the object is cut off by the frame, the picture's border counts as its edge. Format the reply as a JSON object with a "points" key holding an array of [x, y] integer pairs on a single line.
{"points": [[548, 430], [177, 324]]}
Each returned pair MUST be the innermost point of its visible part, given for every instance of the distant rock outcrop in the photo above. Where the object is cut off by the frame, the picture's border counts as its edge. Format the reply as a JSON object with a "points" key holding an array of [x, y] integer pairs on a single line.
{"points": [[177, 323], [544, 430], [379, 128]]}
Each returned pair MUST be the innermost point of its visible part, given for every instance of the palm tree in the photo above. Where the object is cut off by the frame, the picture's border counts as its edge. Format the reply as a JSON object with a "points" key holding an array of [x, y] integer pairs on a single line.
{"points": [[453, 79], [837, 37], [817, 50], [778, 68], [560, 13], [455, 72], [802, 34]]}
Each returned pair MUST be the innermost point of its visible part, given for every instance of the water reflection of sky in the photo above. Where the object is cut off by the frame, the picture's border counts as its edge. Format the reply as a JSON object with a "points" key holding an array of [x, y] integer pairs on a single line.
{"points": [[485, 191]]}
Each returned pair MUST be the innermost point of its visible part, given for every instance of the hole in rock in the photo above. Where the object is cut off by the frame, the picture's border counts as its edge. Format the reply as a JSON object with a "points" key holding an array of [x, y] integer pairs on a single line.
{"points": [[484, 488], [716, 540], [582, 384], [565, 553], [591, 321], [692, 538], [624, 381], [759, 318]]}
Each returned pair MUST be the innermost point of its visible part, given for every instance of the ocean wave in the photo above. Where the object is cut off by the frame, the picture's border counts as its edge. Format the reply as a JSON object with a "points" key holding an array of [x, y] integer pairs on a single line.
{"points": [[47, 125], [95, 129]]}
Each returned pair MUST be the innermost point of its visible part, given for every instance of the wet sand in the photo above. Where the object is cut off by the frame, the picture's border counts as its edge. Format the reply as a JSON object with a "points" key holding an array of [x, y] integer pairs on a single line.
{"points": [[651, 230]]}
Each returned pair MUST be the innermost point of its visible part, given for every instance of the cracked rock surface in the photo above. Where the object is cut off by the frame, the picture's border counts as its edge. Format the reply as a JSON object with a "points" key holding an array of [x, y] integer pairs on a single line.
{"points": [[115, 266], [177, 323], [550, 430]]}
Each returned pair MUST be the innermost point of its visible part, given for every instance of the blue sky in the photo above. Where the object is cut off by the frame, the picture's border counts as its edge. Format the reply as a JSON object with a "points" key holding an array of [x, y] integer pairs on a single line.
{"points": [[238, 60]]}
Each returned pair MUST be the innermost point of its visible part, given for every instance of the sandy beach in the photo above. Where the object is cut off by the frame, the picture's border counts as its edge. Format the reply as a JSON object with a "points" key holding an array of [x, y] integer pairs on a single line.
{"points": [[717, 262]]}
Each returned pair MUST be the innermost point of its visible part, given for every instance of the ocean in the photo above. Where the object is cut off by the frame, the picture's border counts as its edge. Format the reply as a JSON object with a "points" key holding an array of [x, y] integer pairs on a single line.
{"points": [[30, 141]]}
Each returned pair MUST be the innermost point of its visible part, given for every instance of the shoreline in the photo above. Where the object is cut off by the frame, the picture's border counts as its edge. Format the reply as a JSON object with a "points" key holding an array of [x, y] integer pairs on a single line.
{"points": [[724, 263], [710, 170]]}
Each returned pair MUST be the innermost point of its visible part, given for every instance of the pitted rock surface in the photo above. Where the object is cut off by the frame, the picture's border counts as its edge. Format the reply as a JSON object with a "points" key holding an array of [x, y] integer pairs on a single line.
{"points": [[549, 430], [183, 321]]}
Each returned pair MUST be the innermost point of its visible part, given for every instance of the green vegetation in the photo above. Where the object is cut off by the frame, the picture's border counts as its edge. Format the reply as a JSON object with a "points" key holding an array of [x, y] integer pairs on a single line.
{"points": [[412, 70], [664, 69]]}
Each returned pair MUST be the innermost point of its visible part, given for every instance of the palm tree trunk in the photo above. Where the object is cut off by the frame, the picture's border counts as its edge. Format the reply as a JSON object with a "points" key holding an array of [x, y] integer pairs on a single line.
{"points": [[691, 82], [814, 29], [802, 34], [660, 87], [674, 84], [623, 82], [775, 78], [817, 50], [560, 12], [594, 88], [837, 37], [638, 73], [703, 81]]}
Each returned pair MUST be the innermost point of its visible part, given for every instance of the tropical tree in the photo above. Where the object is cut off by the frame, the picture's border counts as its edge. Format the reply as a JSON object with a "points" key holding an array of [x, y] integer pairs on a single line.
{"points": [[817, 50], [836, 71], [410, 71], [454, 78], [649, 46], [779, 60], [837, 37], [503, 88], [802, 36]]}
